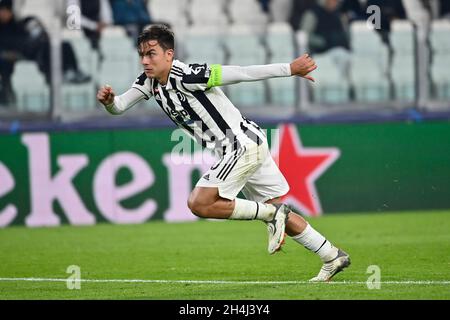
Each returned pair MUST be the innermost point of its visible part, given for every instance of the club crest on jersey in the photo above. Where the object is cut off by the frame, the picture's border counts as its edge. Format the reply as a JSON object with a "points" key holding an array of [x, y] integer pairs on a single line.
{"points": [[181, 96]]}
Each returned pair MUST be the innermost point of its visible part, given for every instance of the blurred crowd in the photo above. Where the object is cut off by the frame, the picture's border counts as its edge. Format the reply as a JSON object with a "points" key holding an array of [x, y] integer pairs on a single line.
{"points": [[26, 38], [325, 21]]}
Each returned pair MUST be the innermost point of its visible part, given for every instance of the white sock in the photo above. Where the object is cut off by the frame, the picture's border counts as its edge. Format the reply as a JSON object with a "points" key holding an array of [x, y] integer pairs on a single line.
{"points": [[314, 241], [251, 210]]}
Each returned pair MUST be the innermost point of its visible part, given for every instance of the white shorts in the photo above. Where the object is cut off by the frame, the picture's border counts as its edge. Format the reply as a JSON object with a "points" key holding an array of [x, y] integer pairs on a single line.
{"points": [[250, 169]]}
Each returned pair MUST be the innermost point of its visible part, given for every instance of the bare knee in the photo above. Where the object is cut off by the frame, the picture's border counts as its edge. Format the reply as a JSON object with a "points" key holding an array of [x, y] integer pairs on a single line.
{"points": [[201, 201], [197, 208]]}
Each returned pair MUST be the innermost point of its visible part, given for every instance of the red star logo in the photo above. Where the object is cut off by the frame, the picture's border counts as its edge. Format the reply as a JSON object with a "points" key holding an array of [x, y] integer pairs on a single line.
{"points": [[302, 167]]}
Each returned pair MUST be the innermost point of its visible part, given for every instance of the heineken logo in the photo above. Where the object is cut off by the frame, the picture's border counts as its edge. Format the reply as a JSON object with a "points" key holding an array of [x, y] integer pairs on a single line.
{"points": [[302, 167], [84, 183]]}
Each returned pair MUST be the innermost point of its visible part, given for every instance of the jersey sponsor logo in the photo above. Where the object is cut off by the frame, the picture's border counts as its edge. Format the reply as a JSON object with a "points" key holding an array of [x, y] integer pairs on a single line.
{"points": [[180, 117], [175, 113]]}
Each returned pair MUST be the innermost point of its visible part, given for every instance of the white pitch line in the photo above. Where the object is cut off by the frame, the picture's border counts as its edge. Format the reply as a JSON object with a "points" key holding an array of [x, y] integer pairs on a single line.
{"points": [[405, 282]]}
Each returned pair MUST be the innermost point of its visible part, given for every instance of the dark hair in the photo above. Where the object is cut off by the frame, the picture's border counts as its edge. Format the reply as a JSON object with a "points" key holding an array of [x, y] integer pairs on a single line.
{"points": [[160, 33]]}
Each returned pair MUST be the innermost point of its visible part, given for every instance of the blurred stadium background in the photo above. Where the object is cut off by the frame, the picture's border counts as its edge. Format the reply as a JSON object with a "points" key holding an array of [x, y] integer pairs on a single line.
{"points": [[398, 68], [380, 104]]}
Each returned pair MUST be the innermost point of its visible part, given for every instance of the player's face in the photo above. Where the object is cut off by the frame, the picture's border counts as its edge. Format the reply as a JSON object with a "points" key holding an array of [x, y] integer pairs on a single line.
{"points": [[156, 62]]}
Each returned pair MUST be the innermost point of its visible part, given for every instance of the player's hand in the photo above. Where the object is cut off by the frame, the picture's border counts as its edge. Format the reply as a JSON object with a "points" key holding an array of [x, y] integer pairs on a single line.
{"points": [[106, 95], [303, 66]]}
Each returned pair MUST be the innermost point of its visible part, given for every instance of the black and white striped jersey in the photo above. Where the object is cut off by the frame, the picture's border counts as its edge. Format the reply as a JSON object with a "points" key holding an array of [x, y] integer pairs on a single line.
{"points": [[202, 110]]}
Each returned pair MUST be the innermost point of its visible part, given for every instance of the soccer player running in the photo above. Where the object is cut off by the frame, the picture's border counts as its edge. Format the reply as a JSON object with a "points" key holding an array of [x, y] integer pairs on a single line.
{"points": [[191, 98]]}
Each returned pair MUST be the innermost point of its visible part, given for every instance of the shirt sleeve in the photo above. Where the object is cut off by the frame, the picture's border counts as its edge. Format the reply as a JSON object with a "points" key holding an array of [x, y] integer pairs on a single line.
{"points": [[196, 77], [143, 84], [125, 101], [203, 77], [139, 91], [235, 74]]}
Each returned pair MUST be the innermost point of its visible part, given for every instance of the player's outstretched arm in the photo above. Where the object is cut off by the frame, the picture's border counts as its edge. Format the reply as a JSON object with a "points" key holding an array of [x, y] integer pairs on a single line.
{"points": [[118, 104], [225, 75], [303, 66]]}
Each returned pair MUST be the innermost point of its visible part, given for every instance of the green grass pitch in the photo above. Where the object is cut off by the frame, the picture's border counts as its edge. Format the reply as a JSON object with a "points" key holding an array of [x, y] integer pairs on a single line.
{"points": [[228, 260]]}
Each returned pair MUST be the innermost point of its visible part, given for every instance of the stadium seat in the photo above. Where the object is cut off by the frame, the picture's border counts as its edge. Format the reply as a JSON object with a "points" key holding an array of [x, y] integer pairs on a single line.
{"points": [[120, 66], [365, 40], [440, 43], [280, 43], [330, 87], [369, 80], [280, 10], [244, 42], [204, 45], [87, 57], [170, 11], [245, 48], [250, 94], [81, 97], [207, 13], [282, 91], [33, 94], [403, 68], [247, 12], [369, 64]]}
